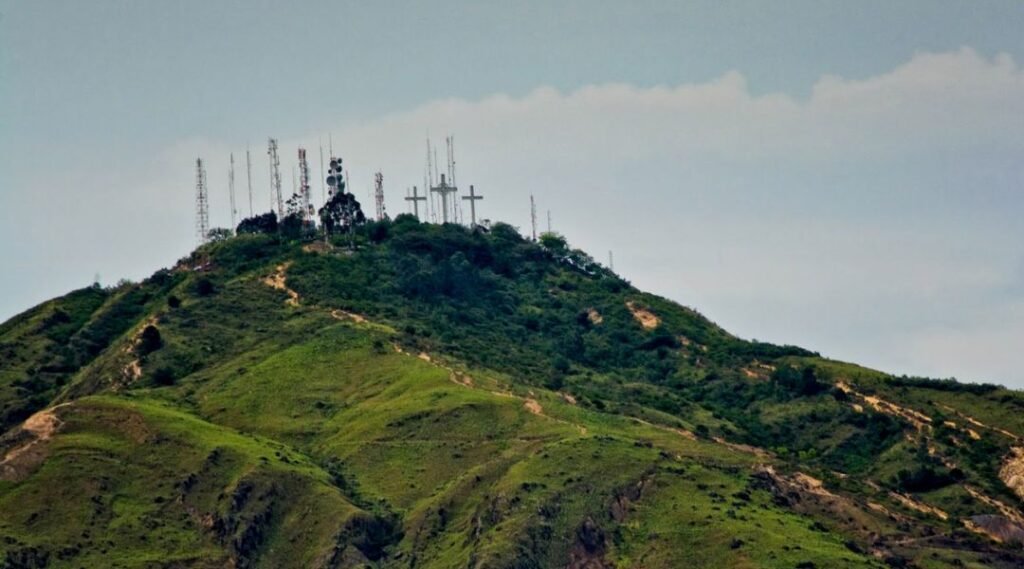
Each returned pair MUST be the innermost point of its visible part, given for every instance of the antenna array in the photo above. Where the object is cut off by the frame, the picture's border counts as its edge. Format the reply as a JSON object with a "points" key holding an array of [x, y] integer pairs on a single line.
{"points": [[378, 195], [275, 178], [307, 205], [202, 204], [533, 217], [231, 192]]}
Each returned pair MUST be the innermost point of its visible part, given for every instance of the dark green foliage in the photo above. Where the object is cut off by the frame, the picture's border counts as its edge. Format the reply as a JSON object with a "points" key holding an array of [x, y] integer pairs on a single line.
{"points": [[925, 478], [149, 341], [800, 382], [204, 287], [163, 376], [263, 223]]}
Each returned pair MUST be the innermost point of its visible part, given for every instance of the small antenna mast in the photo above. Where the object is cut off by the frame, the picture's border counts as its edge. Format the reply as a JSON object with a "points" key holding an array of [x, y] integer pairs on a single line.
{"points": [[533, 217], [248, 174], [231, 191]]}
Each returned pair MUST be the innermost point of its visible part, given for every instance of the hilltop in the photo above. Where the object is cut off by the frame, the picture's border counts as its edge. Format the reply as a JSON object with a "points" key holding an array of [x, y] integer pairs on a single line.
{"points": [[450, 397]]}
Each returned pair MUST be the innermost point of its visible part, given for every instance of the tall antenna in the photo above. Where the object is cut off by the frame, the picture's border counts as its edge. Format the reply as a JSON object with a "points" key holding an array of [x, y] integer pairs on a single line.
{"points": [[549, 221], [248, 174], [378, 195], [450, 142], [202, 204], [611, 261], [472, 198], [307, 206], [275, 178], [231, 191], [323, 190], [533, 217]]}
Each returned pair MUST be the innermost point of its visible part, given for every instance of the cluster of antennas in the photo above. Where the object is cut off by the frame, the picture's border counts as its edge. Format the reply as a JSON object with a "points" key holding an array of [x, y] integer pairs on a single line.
{"points": [[441, 200]]}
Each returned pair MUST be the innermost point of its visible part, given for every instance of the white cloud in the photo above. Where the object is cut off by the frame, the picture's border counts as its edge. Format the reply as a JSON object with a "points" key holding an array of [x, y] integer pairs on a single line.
{"points": [[873, 220]]}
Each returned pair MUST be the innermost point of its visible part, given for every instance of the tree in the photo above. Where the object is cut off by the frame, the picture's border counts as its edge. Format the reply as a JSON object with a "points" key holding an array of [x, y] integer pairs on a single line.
{"points": [[341, 214], [149, 341], [218, 234], [265, 223]]}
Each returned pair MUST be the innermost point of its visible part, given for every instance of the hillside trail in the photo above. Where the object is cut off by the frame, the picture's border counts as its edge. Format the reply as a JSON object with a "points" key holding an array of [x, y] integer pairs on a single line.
{"points": [[277, 280], [463, 380]]}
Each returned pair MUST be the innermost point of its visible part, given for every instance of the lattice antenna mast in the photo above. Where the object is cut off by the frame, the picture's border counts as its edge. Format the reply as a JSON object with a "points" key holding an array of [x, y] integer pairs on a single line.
{"points": [[202, 204], [231, 192], [323, 190], [304, 190], [611, 261], [378, 196], [275, 178], [248, 175], [533, 217]]}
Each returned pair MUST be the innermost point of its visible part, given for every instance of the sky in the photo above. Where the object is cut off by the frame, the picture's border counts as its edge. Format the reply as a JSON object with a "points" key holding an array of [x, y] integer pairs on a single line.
{"points": [[843, 176]]}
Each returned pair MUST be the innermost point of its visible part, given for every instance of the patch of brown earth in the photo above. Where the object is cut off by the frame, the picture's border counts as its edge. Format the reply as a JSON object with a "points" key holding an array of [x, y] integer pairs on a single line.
{"points": [[760, 452], [645, 317], [917, 506], [919, 420], [277, 281], [28, 454], [1012, 471], [339, 314], [1011, 513], [568, 398], [998, 528], [532, 406], [594, 316]]}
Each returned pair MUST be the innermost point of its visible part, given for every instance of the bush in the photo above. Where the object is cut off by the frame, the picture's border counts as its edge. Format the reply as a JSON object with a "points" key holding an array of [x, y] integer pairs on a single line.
{"points": [[164, 376], [149, 341], [204, 287]]}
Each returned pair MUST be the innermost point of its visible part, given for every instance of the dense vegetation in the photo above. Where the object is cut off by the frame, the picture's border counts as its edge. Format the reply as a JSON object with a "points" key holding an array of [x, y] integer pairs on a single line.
{"points": [[262, 404]]}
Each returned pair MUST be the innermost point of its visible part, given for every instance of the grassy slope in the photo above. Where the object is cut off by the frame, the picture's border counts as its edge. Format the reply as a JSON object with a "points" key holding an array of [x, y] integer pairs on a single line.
{"points": [[333, 435]]}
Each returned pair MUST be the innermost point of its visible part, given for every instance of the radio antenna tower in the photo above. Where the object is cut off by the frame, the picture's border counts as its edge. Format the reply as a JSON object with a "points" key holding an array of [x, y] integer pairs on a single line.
{"points": [[231, 192], [248, 175], [378, 195], [549, 221], [202, 204], [533, 217], [275, 178], [307, 205], [323, 190], [450, 142], [611, 261]]}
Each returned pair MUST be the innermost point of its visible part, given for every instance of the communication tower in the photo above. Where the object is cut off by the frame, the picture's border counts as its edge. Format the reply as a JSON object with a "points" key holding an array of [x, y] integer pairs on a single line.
{"points": [[275, 178], [202, 204]]}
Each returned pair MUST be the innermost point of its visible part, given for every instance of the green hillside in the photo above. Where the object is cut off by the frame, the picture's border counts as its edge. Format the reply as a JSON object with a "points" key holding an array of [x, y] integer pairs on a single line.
{"points": [[447, 397]]}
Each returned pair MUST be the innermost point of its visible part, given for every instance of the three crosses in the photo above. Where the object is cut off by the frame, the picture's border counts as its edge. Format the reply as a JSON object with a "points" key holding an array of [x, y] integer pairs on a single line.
{"points": [[444, 189]]}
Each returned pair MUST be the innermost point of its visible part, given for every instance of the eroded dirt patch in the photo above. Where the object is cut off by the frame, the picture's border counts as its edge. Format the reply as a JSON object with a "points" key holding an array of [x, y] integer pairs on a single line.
{"points": [[277, 280], [645, 317], [28, 451]]}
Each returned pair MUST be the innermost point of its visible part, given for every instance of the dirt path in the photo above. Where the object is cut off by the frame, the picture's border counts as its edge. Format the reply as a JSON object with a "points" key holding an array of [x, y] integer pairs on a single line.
{"points": [[920, 421], [463, 380], [278, 281]]}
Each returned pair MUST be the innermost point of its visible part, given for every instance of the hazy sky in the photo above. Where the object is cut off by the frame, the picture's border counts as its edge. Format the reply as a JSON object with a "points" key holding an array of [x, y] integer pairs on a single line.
{"points": [[846, 176]]}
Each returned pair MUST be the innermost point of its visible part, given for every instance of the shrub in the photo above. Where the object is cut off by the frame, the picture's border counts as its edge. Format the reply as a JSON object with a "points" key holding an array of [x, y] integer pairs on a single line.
{"points": [[149, 341]]}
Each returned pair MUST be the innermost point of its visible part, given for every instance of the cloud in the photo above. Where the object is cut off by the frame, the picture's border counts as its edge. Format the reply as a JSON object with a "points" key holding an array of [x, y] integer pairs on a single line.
{"points": [[874, 220]]}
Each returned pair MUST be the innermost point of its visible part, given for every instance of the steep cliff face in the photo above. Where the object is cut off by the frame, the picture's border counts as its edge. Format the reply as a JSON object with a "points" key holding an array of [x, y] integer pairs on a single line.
{"points": [[444, 397]]}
